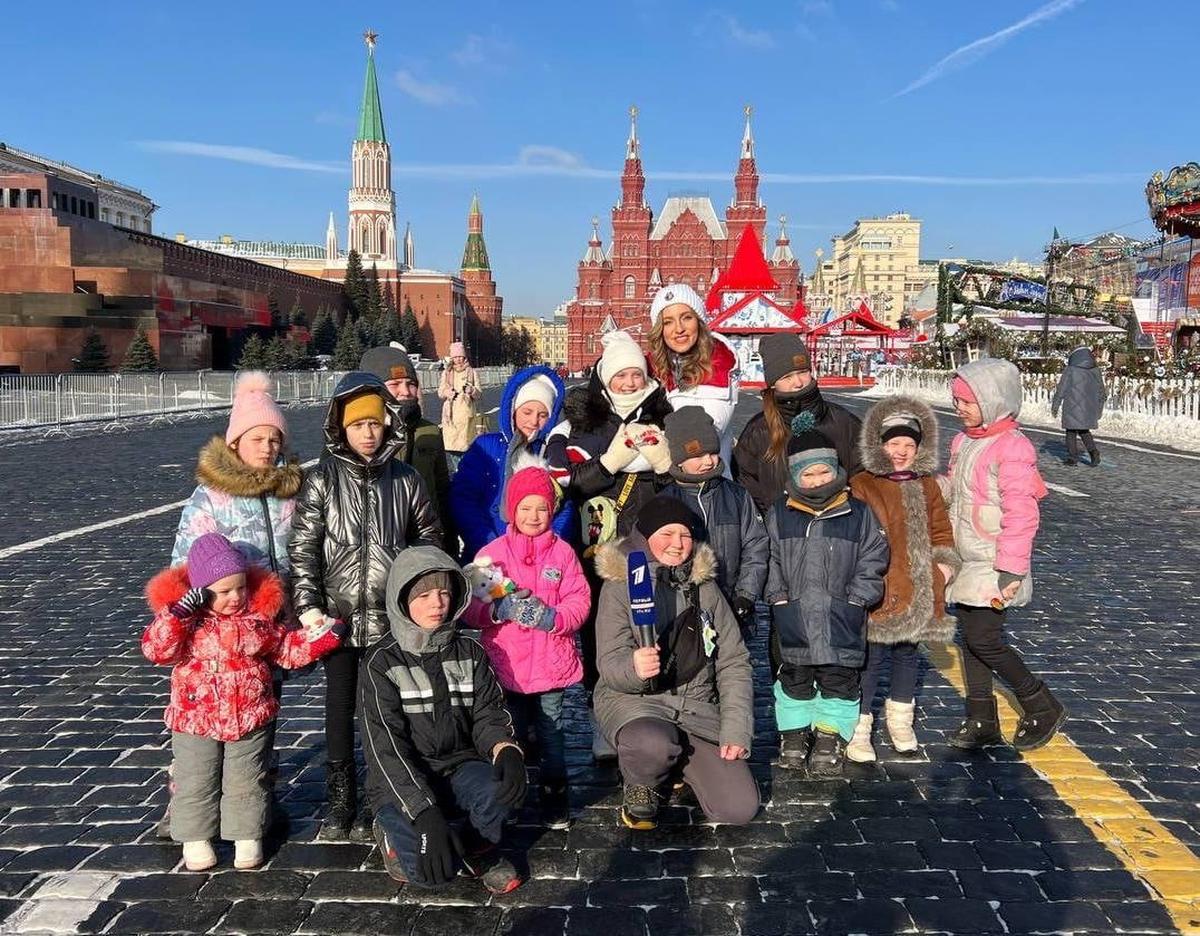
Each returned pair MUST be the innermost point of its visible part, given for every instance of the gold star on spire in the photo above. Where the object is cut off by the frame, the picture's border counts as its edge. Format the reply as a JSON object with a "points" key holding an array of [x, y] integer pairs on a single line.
{"points": [[370, 37]]}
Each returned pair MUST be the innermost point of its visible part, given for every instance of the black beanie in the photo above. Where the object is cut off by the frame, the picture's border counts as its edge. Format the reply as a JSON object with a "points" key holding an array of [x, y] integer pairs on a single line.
{"points": [[691, 432], [901, 424], [661, 510], [388, 363], [782, 353]]}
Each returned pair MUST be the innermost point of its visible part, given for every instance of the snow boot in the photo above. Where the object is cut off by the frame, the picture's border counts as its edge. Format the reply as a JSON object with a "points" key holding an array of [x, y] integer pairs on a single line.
{"points": [[794, 746], [555, 807], [247, 854], [859, 749], [341, 795], [981, 728], [1094, 456], [199, 856], [363, 828], [1042, 716], [899, 718], [828, 754]]}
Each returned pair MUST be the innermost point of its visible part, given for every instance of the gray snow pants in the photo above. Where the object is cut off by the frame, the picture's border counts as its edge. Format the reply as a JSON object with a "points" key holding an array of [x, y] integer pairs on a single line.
{"points": [[220, 786]]}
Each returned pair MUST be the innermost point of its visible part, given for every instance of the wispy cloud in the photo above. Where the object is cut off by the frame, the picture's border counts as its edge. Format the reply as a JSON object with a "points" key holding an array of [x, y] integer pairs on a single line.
{"points": [[890, 6], [251, 155], [974, 51], [432, 93], [540, 160], [817, 8], [477, 50], [730, 27]]}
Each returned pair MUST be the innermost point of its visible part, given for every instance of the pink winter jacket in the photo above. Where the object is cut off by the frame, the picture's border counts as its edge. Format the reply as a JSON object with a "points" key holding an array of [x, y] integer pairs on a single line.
{"points": [[527, 660]]}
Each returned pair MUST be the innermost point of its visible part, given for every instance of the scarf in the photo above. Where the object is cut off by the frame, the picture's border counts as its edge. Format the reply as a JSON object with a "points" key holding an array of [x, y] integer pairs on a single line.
{"points": [[624, 404], [818, 498], [816, 509], [794, 402], [902, 476], [680, 475], [999, 426], [410, 411]]}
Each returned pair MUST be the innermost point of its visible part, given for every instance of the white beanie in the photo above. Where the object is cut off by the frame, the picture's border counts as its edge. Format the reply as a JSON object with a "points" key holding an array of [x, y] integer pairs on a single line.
{"points": [[620, 352], [537, 388], [676, 292]]}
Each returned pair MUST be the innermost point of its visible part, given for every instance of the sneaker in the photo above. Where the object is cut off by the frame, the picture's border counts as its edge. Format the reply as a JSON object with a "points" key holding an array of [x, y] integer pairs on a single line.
{"points": [[793, 748], [827, 754], [247, 854], [640, 807], [199, 856], [391, 860], [497, 873], [859, 749], [556, 808]]}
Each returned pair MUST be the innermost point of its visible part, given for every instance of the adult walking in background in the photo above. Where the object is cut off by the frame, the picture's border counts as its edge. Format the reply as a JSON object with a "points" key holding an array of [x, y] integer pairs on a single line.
{"points": [[458, 389], [696, 367], [1080, 394]]}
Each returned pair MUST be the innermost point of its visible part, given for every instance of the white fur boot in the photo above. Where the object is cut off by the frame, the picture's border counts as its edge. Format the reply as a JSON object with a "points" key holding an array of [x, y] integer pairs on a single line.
{"points": [[859, 749], [199, 856], [247, 854], [899, 717]]}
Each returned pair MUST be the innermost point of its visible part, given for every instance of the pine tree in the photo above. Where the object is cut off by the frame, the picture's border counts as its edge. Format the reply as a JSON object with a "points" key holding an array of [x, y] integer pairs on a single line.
{"points": [[93, 355], [140, 356], [324, 334], [354, 286], [275, 356], [254, 353], [295, 357], [410, 331], [349, 350], [273, 308], [298, 315], [374, 295], [387, 329]]}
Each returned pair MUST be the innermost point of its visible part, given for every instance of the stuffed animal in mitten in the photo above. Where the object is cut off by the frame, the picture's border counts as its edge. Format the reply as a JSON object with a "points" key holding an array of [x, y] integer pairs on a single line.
{"points": [[488, 581]]}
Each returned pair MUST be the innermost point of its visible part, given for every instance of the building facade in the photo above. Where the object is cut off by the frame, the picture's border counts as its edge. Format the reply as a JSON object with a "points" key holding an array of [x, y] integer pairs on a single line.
{"points": [[688, 242], [871, 263]]}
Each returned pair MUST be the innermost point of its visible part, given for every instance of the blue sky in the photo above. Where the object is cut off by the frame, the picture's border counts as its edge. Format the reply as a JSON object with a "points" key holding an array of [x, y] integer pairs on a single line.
{"points": [[992, 122]]}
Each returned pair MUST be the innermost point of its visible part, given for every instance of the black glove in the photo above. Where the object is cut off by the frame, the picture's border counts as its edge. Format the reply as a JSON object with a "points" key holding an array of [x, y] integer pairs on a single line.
{"points": [[435, 849], [509, 769], [743, 610], [190, 602]]}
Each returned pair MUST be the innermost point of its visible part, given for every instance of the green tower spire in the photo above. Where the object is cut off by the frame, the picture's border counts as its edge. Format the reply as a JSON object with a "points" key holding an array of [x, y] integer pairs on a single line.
{"points": [[475, 256], [370, 117]]}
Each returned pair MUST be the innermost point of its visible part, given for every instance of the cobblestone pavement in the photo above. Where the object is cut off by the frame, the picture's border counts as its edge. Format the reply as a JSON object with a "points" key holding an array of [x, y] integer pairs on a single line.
{"points": [[935, 842]]}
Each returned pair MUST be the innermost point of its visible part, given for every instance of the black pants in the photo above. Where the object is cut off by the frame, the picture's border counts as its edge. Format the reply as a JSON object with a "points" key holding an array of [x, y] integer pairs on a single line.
{"points": [[341, 693], [835, 682], [985, 651], [903, 683], [587, 633], [1074, 437]]}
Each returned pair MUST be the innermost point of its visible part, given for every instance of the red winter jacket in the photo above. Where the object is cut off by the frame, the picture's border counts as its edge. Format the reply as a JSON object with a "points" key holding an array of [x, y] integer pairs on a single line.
{"points": [[221, 683]]}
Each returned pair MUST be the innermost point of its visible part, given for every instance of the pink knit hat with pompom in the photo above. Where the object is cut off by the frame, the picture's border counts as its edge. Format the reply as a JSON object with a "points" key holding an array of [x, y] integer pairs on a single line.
{"points": [[531, 475], [253, 406]]}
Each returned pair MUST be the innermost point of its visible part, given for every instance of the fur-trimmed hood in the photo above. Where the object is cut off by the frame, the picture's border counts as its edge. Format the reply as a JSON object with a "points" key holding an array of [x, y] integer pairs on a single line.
{"points": [[612, 560], [266, 593], [587, 408], [219, 468], [870, 449]]}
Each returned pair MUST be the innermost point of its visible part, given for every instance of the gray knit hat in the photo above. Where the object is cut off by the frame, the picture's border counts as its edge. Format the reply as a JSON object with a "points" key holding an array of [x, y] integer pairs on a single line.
{"points": [[388, 363], [900, 424], [690, 432], [782, 353]]}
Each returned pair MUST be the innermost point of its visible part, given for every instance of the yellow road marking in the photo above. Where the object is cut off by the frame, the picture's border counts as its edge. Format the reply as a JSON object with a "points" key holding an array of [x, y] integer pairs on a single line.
{"points": [[1144, 845]]}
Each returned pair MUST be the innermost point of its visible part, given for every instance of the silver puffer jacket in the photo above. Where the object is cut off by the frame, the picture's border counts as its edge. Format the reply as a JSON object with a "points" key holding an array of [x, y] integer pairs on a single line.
{"points": [[352, 519]]}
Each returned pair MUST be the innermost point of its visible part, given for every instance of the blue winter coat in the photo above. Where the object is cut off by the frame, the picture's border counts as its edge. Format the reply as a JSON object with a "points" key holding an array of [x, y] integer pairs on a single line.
{"points": [[476, 492]]}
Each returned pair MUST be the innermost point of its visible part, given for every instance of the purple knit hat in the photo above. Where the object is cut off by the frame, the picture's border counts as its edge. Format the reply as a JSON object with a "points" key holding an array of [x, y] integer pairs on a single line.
{"points": [[211, 558]]}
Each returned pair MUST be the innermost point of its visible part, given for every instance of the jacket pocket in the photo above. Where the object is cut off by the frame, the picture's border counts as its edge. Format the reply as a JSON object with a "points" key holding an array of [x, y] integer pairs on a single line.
{"points": [[788, 620], [846, 625]]}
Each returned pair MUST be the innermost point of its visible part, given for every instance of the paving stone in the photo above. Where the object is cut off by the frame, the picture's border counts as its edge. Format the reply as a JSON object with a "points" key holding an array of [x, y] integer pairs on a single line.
{"points": [[859, 916], [532, 921], [999, 885], [1138, 915], [264, 885], [265, 916], [774, 918], [710, 919], [778, 860], [1054, 917], [361, 918], [547, 892], [457, 921], [135, 858], [589, 921], [1025, 856], [50, 858], [323, 857], [619, 864], [722, 889], [907, 884], [637, 893], [803, 885], [170, 916], [873, 857], [953, 916], [158, 887], [351, 885], [1091, 885]]}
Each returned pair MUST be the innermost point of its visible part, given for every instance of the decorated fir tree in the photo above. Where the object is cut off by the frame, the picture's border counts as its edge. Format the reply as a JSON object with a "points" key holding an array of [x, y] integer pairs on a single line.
{"points": [[139, 356], [93, 354]]}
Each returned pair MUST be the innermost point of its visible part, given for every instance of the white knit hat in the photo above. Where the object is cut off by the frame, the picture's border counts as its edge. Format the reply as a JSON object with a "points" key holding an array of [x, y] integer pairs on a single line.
{"points": [[676, 292], [620, 352], [539, 387]]}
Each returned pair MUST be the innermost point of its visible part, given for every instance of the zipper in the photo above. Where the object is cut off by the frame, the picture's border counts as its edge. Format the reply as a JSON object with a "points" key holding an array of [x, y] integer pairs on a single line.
{"points": [[364, 551], [266, 509]]}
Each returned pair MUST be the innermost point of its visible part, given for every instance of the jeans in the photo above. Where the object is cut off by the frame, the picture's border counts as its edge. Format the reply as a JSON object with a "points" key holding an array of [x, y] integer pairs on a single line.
{"points": [[469, 788], [985, 651], [341, 694], [905, 662], [544, 711]]}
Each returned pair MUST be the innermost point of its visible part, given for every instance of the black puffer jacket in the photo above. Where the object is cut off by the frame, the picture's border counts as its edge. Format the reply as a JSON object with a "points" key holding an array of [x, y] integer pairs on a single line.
{"points": [[574, 447], [764, 478], [352, 518]]}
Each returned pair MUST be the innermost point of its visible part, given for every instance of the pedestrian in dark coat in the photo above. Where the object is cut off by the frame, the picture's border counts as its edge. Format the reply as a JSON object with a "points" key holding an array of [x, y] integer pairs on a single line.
{"points": [[760, 457], [356, 512], [828, 558], [1081, 394]]}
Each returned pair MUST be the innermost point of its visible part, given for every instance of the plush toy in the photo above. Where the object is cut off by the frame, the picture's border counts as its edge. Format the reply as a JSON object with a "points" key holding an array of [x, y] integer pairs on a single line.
{"points": [[488, 581]]}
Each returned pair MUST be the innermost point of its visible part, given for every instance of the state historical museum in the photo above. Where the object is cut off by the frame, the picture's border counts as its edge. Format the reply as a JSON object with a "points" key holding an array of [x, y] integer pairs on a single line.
{"points": [[687, 243]]}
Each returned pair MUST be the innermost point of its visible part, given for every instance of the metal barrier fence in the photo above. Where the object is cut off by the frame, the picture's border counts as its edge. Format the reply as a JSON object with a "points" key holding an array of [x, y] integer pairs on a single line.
{"points": [[1173, 397], [40, 400]]}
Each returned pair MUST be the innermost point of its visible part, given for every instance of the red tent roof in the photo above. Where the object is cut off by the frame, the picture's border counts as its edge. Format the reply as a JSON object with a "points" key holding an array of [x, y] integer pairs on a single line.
{"points": [[859, 322], [748, 272]]}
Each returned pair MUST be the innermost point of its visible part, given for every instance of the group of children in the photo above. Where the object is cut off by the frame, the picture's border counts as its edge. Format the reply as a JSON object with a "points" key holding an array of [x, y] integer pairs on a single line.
{"points": [[854, 571]]}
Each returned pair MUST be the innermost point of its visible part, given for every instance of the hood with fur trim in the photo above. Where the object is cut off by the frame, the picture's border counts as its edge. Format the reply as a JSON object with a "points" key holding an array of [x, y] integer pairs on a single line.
{"points": [[996, 384], [870, 449], [612, 560], [266, 594], [219, 468]]}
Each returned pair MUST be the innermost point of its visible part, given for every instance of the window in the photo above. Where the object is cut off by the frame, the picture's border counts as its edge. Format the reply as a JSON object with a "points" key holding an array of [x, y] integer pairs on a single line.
{"points": [[120, 219], [91, 210], [877, 245], [74, 205], [33, 198], [146, 225], [14, 198], [630, 287], [103, 211]]}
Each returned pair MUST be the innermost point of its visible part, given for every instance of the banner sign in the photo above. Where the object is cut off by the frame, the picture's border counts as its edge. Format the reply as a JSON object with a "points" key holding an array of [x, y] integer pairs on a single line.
{"points": [[1017, 289]]}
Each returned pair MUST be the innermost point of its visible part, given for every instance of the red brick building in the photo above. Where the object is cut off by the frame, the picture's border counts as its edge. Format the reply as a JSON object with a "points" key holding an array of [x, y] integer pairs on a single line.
{"points": [[687, 243]]}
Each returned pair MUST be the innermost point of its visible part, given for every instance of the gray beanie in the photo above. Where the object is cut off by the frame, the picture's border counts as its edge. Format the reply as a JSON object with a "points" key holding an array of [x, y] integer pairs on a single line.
{"points": [[388, 363], [782, 353], [691, 432]]}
